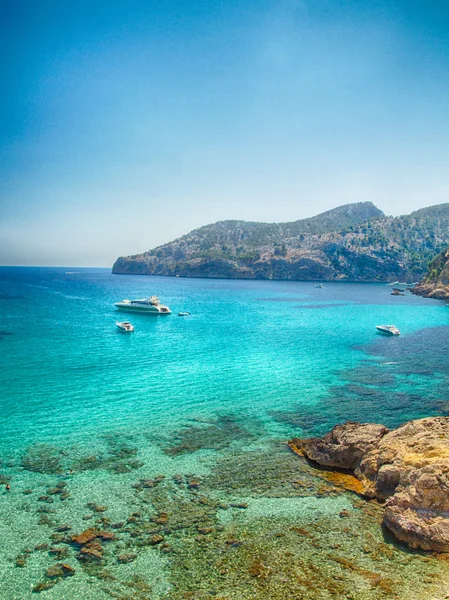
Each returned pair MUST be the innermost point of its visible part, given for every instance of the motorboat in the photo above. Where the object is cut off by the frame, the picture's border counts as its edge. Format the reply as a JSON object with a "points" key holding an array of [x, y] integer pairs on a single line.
{"points": [[401, 286], [319, 285], [388, 329], [125, 326], [183, 314], [147, 306]]}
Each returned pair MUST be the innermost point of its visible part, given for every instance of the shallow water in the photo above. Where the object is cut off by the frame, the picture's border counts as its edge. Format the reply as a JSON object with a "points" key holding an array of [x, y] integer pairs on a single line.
{"points": [[207, 401]]}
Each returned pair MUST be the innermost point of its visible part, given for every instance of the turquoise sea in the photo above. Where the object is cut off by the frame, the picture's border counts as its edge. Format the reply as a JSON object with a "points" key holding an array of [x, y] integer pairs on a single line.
{"points": [[153, 436]]}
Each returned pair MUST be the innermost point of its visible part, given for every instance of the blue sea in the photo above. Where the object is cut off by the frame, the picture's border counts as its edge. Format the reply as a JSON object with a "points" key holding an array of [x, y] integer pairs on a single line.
{"points": [[177, 431]]}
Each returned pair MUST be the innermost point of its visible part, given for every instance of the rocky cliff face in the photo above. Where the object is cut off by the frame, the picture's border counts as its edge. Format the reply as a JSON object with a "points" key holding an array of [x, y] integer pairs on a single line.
{"points": [[407, 467], [436, 282], [356, 242]]}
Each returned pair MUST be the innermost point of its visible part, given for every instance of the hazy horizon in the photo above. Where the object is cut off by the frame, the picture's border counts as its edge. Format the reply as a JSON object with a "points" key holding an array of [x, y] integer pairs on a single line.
{"points": [[127, 125], [106, 266]]}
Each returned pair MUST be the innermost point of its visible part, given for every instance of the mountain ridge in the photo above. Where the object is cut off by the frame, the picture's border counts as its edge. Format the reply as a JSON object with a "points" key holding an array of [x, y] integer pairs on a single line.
{"points": [[354, 242]]}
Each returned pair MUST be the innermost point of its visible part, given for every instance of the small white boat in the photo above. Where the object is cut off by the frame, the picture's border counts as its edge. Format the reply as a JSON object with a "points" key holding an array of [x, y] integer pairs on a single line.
{"points": [[183, 314], [319, 285], [124, 326], [388, 329], [401, 286]]}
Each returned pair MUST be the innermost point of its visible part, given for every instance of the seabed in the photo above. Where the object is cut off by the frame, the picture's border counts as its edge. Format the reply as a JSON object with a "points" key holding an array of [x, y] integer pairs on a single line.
{"points": [[252, 521]]}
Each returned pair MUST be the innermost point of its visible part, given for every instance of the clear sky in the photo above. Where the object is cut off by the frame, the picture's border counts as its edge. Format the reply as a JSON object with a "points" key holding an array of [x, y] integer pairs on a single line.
{"points": [[125, 124]]}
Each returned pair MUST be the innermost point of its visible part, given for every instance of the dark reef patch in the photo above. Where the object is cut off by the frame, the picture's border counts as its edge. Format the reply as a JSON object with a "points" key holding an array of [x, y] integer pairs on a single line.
{"points": [[314, 306], [42, 458], [424, 352], [215, 434]]}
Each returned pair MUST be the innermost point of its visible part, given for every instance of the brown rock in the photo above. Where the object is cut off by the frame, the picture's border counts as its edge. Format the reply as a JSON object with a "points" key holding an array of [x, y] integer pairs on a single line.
{"points": [[21, 561], [58, 552], [106, 535], [96, 507], [344, 446], [67, 570], [85, 537], [92, 550], [408, 467], [156, 539], [194, 485], [161, 519], [60, 570], [41, 547], [126, 558], [43, 585]]}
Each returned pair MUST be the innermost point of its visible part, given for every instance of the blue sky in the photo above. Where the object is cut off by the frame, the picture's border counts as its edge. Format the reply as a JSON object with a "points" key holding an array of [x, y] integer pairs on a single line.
{"points": [[125, 124]]}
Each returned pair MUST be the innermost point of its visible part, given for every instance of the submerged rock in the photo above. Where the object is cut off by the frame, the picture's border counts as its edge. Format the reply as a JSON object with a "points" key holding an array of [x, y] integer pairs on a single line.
{"points": [[126, 558], [156, 539], [408, 467], [44, 585], [60, 570], [91, 551], [86, 536]]}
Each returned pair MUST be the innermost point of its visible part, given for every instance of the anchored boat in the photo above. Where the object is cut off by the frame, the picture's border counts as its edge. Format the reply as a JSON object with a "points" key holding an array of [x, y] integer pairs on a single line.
{"points": [[150, 306], [124, 326], [388, 329]]}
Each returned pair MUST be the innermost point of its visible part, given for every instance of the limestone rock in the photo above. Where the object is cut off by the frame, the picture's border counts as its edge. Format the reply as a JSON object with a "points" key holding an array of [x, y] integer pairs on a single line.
{"points": [[408, 467], [344, 446]]}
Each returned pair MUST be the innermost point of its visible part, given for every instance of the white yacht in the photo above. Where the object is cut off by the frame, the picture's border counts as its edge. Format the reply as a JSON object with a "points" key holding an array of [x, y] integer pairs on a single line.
{"points": [[150, 306], [125, 326], [388, 329], [319, 285], [401, 286]]}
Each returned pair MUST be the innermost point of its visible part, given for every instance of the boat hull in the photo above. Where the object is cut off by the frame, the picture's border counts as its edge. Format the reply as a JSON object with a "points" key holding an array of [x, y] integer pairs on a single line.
{"points": [[126, 328], [143, 310], [387, 331]]}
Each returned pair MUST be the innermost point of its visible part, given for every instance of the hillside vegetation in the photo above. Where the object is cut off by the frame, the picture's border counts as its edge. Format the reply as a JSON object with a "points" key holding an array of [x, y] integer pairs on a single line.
{"points": [[436, 282], [355, 242]]}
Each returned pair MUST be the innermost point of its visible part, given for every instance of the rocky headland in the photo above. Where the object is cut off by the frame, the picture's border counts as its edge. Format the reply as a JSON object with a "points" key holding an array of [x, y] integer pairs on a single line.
{"points": [[436, 282], [354, 242], [407, 468]]}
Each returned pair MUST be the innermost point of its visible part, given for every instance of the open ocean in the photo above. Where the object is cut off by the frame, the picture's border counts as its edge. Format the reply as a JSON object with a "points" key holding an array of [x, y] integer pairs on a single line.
{"points": [[206, 402]]}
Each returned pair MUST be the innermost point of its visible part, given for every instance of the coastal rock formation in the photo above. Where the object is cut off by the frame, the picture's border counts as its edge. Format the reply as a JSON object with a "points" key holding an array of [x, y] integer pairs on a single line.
{"points": [[408, 467], [355, 242], [436, 283], [344, 446]]}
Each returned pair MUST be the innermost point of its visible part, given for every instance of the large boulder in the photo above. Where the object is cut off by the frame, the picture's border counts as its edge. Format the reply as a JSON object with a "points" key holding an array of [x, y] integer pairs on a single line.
{"points": [[419, 515], [408, 467], [344, 446], [390, 463]]}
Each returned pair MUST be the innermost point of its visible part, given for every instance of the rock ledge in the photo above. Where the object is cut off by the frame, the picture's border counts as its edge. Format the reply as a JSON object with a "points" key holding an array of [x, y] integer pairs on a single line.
{"points": [[407, 467]]}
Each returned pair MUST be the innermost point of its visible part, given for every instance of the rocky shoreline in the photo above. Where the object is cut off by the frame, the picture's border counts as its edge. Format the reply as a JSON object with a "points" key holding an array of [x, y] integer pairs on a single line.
{"points": [[407, 468], [436, 283]]}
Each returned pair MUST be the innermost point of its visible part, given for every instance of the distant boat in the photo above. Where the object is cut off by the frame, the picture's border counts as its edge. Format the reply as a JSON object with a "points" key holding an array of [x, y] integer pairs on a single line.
{"points": [[319, 285], [150, 306], [183, 314], [125, 326], [388, 329], [401, 286]]}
